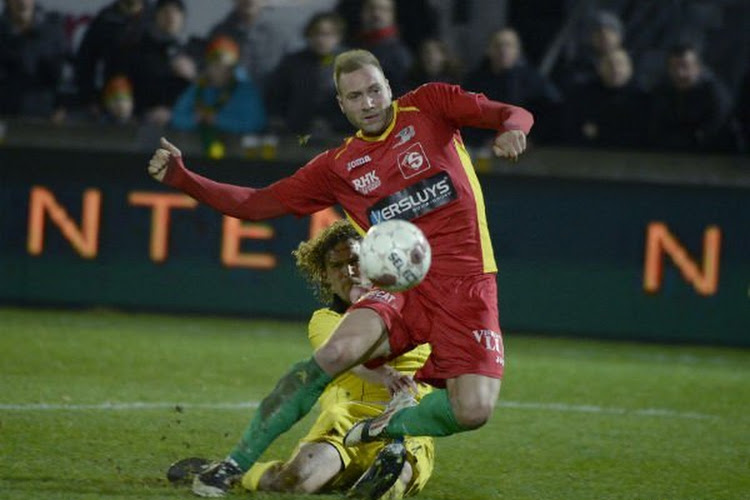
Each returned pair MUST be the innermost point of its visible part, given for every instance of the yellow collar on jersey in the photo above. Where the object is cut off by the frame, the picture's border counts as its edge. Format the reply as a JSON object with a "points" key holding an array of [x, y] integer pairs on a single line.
{"points": [[387, 130]]}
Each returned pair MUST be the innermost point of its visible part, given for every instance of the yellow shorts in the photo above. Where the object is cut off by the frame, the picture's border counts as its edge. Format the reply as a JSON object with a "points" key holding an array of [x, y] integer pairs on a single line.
{"points": [[333, 424]]}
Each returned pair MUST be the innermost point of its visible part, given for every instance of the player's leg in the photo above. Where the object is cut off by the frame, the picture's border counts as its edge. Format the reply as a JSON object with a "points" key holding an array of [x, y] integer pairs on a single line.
{"points": [[311, 468], [467, 353], [360, 335], [466, 405], [473, 399]]}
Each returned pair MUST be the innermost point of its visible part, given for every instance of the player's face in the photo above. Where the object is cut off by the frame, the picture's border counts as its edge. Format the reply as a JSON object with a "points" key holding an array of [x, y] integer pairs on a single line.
{"points": [[342, 268], [365, 98]]}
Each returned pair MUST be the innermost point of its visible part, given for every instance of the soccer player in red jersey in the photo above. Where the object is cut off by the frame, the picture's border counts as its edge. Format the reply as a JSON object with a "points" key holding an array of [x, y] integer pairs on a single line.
{"points": [[407, 160]]}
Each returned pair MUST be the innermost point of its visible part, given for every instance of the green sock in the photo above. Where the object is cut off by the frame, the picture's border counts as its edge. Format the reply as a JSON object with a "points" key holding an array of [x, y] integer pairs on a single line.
{"points": [[433, 416], [291, 399]]}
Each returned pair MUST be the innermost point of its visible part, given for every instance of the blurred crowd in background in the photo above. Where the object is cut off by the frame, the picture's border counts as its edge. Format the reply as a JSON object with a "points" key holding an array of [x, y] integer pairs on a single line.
{"points": [[630, 74]]}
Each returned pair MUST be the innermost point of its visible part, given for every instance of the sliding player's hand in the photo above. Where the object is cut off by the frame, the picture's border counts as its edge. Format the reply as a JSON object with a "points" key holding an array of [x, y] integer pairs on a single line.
{"points": [[159, 163], [396, 381], [509, 144]]}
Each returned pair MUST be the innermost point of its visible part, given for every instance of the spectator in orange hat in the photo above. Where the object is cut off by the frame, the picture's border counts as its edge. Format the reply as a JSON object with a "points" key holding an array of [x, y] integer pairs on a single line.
{"points": [[117, 100]]}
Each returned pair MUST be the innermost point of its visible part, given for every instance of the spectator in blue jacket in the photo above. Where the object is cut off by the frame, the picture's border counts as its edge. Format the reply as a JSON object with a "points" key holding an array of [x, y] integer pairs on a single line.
{"points": [[223, 99]]}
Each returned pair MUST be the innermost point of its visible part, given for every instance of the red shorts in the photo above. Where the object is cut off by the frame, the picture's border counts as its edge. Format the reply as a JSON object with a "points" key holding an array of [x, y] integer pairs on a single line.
{"points": [[456, 315]]}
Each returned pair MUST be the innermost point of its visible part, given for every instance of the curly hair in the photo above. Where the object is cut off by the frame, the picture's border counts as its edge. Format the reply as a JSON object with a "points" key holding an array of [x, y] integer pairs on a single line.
{"points": [[311, 256]]}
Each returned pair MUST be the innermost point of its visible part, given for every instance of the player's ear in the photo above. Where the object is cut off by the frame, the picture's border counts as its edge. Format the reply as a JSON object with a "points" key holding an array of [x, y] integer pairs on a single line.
{"points": [[390, 92], [341, 103]]}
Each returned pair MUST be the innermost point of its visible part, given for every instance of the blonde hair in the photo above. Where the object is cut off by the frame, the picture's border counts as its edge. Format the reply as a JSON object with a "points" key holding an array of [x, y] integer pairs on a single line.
{"points": [[352, 60]]}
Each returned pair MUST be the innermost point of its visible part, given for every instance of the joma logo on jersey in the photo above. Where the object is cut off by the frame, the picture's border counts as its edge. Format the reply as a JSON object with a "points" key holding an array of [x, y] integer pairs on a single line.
{"points": [[418, 199], [358, 162], [404, 135], [413, 161], [492, 341], [367, 183]]}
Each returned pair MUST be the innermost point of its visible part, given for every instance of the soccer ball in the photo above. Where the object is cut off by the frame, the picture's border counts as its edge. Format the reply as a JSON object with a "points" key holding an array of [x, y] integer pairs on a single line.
{"points": [[395, 255]]}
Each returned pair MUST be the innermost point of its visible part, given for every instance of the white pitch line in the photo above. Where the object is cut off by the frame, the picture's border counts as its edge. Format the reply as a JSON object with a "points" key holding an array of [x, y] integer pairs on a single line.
{"points": [[515, 405], [640, 412]]}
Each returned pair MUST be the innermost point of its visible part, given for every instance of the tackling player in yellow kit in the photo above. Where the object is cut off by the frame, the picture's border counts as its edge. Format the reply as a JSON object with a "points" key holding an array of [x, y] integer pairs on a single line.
{"points": [[321, 461]]}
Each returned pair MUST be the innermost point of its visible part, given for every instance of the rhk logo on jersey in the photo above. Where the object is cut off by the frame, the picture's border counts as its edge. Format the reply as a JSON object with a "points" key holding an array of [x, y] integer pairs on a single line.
{"points": [[367, 183], [413, 161], [404, 135], [358, 162], [492, 341]]}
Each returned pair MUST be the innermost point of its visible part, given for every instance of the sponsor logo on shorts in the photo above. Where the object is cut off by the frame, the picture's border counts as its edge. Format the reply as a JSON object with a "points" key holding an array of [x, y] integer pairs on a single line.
{"points": [[380, 296], [413, 161], [367, 183], [418, 199], [358, 162], [492, 341], [404, 135]]}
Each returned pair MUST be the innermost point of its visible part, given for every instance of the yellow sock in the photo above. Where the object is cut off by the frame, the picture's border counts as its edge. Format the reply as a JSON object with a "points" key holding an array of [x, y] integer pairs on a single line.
{"points": [[251, 479]]}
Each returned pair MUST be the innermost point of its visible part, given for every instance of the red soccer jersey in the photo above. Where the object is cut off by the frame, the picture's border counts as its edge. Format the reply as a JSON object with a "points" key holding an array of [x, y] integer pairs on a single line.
{"points": [[418, 170]]}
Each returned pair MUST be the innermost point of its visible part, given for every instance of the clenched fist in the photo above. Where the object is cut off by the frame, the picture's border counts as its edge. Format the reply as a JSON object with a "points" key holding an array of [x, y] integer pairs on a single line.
{"points": [[158, 164], [509, 144]]}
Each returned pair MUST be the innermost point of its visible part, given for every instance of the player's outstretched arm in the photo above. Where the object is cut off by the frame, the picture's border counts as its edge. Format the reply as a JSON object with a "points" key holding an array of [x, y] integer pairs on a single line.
{"points": [[246, 203]]}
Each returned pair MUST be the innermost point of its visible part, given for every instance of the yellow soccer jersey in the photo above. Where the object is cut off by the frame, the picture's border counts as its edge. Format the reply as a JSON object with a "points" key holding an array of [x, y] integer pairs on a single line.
{"points": [[349, 387]]}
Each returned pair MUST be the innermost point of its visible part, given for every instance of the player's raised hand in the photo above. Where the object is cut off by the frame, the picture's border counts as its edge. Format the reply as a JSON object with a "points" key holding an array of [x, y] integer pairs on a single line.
{"points": [[509, 144], [159, 162]]}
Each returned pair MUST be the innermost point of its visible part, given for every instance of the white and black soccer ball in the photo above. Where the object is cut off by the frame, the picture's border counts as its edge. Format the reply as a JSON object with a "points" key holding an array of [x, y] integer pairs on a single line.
{"points": [[395, 255]]}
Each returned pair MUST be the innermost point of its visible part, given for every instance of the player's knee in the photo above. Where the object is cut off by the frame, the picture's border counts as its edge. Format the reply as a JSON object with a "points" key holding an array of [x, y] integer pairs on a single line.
{"points": [[474, 414]]}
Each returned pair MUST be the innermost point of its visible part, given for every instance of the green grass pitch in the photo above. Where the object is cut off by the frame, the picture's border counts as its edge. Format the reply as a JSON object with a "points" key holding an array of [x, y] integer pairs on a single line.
{"points": [[98, 404]]}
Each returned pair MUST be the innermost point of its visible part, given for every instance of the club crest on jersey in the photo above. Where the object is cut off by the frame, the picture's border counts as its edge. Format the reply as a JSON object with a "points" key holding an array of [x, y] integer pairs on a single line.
{"points": [[404, 135], [367, 183], [413, 161], [358, 162]]}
